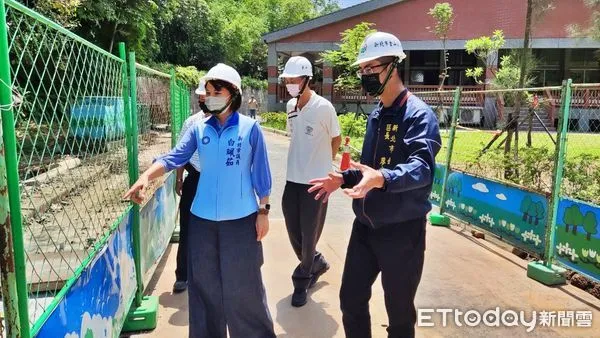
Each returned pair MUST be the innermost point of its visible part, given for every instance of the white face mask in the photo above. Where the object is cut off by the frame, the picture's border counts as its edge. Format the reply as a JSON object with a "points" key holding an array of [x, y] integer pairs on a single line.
{"points": [[216, 103], [293, 89]]}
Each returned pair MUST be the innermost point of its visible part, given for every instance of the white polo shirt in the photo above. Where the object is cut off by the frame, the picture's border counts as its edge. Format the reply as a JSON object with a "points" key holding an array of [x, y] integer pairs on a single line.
{"points": [[311, 130], [196, 118]]}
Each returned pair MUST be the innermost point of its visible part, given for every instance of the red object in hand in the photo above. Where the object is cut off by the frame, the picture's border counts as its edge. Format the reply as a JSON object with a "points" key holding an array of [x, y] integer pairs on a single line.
{"points": [[345, 165]]}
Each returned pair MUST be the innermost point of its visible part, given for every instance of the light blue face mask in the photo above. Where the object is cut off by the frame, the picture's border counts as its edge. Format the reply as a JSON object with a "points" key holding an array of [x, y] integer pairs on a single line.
{"points": [[217, 104]]}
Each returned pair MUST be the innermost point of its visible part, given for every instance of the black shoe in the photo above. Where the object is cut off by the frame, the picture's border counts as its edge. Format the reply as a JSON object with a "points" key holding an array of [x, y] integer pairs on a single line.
{"points": [[299, 297], [318, 274], [179, 286]]}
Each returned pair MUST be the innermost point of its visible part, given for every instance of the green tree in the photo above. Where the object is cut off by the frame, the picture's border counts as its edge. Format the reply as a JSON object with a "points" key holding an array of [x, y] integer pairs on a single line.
{"points": [[323, 7], [64, 12], [106, 22], [531, 212], [485, 49], [590, 224], [573, 218], [343, 58], [540, 212], [189, 37], [592, 29], [443, 14], [525, 207]]}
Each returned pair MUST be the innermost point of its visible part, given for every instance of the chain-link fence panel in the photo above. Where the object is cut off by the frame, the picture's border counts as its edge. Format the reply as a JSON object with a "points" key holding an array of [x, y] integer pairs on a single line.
{"points": [[71, 151], [581, 176], [154, 117], [518, 147]]}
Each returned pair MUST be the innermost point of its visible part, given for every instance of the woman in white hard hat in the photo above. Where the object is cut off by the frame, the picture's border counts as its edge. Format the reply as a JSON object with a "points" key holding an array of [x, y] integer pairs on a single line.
{"points": [[186, 188], [390, 188], [315, 138], [227, 225]]}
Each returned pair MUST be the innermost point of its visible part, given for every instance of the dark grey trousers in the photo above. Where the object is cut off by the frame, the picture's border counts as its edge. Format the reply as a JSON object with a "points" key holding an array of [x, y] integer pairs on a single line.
{"points": [[397, 251], [225, 282], [188, 192], [304, 219]]}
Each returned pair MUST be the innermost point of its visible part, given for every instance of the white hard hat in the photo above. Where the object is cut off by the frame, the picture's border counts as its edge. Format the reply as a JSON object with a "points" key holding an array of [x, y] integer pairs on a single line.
{"points": [[377, 45], [201, 90], [297, 66], [225, 73]]}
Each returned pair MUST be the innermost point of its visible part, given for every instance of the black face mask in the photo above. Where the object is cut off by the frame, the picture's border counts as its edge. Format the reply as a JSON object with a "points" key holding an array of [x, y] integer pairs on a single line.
{"points": [[371, 84]]}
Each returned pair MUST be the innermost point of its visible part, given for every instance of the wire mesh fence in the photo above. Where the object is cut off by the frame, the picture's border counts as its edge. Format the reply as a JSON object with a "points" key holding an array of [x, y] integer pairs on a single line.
{"points": [[581, 176], [71, 151], [517, 147], [154, 119]]}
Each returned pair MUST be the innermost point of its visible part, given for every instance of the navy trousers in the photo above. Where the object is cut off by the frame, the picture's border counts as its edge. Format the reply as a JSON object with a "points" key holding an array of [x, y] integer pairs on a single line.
{"points": [[397, 251], [225, 282]]}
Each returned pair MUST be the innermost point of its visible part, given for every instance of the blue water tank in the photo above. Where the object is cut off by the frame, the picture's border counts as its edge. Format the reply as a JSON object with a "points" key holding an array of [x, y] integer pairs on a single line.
{"points": [[99, 118]]}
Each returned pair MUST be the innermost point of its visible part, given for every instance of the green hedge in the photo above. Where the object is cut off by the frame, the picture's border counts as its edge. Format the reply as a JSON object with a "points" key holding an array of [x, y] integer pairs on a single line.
{"points": [[275, 120]]}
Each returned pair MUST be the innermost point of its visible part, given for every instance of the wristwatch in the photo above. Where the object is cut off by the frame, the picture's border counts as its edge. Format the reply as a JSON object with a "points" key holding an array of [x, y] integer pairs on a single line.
{"points": [[263, 209]]}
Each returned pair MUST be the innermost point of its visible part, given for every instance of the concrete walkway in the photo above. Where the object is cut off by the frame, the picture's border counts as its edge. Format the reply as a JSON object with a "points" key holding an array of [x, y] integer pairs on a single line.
{"points": [[460, 272]]}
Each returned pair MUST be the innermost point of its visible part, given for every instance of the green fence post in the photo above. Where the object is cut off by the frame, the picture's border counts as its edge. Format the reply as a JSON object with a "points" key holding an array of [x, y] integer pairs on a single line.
{"points": [[14, 277], [174, 97], [129, 134], [144, 312], [545, 272], [439, 219]]}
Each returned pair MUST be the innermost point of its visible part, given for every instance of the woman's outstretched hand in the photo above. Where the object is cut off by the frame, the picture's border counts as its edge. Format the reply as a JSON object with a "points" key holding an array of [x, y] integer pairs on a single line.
{"points": [[136, 193]]}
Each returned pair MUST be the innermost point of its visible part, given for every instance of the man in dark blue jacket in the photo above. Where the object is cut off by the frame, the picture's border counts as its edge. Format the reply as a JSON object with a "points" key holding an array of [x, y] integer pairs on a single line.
{"points": [[390, 188]]}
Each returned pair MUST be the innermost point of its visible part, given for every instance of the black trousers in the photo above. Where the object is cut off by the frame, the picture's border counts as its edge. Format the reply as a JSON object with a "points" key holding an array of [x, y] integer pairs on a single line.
{"points": [[304, 219], [188, 192], [397, 251]]}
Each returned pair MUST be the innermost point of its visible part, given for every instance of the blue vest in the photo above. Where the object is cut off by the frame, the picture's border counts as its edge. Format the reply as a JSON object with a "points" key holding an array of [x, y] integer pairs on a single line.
{"points": [[225, 190]]}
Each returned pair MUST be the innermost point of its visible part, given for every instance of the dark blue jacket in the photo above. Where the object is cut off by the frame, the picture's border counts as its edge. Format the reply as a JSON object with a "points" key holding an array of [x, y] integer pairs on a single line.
{"points": [[402, 142]]}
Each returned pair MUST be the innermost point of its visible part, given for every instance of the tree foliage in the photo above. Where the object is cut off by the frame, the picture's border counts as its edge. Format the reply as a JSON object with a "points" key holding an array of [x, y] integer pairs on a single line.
{"points": [[592, 30], [343, 58], [486, 49], [443, 14], [195, 33]]}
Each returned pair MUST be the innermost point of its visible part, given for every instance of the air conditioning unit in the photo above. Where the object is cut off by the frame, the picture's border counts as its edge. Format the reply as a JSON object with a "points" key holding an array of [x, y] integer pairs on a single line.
{"points": [[470, 116]]}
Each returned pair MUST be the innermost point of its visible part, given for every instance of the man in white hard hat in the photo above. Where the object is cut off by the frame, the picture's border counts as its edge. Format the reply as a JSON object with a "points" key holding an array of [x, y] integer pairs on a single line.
{"points": [[186, 188], [315, 138], [390, 188]]}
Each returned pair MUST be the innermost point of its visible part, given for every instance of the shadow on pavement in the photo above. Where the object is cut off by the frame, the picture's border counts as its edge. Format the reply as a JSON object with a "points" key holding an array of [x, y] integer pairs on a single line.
{"points": [[311, 320], [177, 301]]}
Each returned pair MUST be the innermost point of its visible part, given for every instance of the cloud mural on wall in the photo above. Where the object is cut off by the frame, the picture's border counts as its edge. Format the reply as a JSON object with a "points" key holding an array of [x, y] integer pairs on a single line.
{"points": [[501, 197], [481, 188]]}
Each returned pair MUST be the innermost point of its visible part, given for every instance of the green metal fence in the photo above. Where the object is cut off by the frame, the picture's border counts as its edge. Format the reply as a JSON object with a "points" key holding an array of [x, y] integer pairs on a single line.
{"points": [[71, 149]]}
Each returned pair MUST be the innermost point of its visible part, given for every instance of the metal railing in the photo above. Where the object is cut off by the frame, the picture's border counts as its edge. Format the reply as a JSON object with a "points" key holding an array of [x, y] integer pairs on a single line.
{"points": [[70, 117]]}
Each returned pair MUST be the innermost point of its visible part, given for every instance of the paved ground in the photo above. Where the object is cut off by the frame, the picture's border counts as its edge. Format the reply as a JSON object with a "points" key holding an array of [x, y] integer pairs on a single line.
{"points": [[460, 273]]}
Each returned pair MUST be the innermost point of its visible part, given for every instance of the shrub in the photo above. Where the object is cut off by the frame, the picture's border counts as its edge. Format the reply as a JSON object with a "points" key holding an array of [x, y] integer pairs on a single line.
{"points": [[276, 120]]}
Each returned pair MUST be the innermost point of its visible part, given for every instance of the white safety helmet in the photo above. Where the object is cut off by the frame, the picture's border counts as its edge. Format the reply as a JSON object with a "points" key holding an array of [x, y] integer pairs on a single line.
{"points": [[225, 73], [201, 90], [297, 66], [377, 45]]}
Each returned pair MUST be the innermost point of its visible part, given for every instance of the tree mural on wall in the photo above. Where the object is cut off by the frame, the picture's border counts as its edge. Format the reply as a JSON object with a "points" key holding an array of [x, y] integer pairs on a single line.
{"points": [[525, 207], [590, 224], [540, 212], [438, 175], [573, 218], [454, 186], [532, 211]]}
